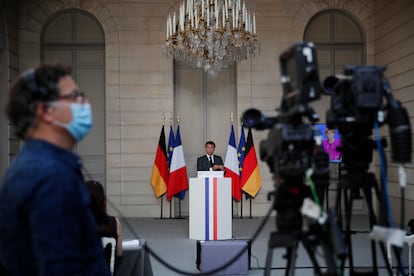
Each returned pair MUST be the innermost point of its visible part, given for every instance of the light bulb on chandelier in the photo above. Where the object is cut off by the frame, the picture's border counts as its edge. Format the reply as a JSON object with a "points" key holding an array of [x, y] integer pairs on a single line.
{"points": [[211, 34]]}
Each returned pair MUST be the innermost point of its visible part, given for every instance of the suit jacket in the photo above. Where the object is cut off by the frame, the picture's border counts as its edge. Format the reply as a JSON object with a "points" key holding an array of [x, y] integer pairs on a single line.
{"points": [[204, 165]]}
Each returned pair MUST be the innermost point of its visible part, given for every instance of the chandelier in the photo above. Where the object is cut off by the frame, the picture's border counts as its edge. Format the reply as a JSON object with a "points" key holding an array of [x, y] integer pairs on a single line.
{"points": [[211, 34]]}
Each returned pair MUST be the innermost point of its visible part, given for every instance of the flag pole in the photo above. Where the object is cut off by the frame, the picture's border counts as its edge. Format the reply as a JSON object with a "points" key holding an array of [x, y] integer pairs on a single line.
{"points": [[179, 198], [232, 200], [171, 121], [161, 197], [250, 199], [179, 208], [241, 199], [241, 207]]}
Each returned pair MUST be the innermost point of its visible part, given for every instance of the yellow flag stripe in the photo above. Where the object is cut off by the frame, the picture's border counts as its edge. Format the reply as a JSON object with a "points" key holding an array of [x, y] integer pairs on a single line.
{"points": [[158, 183], [254, 183]]}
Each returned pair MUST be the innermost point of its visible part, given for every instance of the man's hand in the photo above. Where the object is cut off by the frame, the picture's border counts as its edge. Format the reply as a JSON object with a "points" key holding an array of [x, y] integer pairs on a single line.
{"points": [[218, 168]]}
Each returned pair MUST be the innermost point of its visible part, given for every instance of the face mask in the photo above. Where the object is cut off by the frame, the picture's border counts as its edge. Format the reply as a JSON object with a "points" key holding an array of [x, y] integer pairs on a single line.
{"points": [[81, 122]]}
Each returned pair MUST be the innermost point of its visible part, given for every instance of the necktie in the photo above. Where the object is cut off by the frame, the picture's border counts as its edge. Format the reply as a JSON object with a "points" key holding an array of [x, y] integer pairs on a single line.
{"points": [[211, 161]]}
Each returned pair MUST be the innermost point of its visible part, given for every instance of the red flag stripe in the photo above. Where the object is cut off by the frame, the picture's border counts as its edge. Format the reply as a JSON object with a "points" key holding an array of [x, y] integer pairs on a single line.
{"points": [[250, 179]]}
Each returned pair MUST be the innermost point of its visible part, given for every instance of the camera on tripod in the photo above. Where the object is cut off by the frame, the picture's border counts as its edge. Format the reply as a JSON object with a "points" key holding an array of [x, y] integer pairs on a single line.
{"points": [[357, 107], [293, 149], [357, 104], [289, 150]]}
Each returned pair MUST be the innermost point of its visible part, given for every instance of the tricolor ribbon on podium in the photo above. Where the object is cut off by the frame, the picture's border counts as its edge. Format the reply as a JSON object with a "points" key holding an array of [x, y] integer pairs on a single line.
{"points": [[213, 212], [211, 208]]}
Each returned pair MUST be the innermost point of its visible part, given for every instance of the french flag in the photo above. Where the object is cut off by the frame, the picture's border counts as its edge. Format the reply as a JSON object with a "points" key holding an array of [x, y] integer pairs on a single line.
{"points": [[231, 166], [178, 181]]}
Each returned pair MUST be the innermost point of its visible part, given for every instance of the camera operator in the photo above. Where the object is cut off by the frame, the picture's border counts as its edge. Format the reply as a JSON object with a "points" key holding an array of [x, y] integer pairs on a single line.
{"points": [[47, 227]]}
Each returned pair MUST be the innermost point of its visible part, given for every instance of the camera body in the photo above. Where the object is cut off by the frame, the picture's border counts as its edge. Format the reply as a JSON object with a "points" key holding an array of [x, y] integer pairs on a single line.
{"points": [[290, 147], [300, 79], [357, 104], [288, 152], [356, 98]]}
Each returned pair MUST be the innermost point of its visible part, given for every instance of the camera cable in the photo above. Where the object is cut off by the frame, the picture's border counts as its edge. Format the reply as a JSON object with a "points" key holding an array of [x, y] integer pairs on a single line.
{"points": [[385, 191]]}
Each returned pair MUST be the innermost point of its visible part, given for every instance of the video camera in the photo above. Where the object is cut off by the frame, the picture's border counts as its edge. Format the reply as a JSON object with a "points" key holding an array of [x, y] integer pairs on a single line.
{"points": [[300, 83], [300, 80], [357, 107], [357, 103], [290, 148]]}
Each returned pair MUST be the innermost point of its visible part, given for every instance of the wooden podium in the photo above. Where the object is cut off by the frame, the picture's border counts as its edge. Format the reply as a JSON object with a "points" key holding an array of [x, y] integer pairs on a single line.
{"points": [[210, 207]]}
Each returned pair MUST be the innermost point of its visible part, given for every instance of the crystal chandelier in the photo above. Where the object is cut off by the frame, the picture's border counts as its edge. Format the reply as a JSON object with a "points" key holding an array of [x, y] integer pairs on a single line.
{"points": [[211, 34]]}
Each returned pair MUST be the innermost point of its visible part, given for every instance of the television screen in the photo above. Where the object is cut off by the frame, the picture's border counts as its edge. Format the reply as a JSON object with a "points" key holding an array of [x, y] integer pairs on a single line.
{"points": [[331, 140]]}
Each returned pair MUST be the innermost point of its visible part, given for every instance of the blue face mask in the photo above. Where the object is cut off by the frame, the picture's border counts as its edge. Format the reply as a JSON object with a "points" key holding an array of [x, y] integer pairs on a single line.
{"points": [[81, 123]]}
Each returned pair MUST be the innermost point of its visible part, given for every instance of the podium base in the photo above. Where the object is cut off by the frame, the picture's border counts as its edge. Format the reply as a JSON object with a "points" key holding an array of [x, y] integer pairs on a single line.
{"points": [[213, 254]]}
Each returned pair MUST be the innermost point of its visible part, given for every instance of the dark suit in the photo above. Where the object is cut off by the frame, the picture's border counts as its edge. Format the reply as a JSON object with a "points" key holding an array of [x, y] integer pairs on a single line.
{"points": [[203, 164]]}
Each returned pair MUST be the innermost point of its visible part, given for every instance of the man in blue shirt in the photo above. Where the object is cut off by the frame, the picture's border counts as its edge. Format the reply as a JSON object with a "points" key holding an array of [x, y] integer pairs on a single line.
{"points": [[46, 226]]}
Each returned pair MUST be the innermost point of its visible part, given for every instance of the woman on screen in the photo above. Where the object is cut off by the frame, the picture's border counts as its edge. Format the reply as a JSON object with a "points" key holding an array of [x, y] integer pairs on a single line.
{"points": [[330, 145]]}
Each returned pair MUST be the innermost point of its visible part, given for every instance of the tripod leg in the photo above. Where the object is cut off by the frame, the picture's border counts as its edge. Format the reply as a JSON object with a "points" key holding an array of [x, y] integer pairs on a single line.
{"points": [[348, 214], [327, 196], [338, 207], [366, 188], [269, 257], [278, 239], [341, 191], [383, 214], [312, 257], [291, 254], [371, 183]]}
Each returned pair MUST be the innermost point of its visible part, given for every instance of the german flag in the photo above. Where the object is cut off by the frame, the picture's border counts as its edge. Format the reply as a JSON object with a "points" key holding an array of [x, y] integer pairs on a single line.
{"points": [[250, 177], [159, 177]]}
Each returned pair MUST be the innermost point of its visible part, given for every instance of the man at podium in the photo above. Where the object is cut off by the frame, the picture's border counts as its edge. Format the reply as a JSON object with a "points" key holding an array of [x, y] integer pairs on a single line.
{"points": [[210, 201], [210, 161]]}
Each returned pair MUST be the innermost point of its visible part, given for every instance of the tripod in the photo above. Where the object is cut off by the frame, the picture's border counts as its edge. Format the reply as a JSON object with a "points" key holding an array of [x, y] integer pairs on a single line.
{"points": [[280, 240], [290, 241], [324, 235], [356, 157]]}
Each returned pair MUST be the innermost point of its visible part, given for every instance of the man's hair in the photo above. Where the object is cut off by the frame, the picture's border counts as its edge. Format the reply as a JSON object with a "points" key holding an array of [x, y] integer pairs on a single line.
{"points": [[30, 88], [210, 143]]}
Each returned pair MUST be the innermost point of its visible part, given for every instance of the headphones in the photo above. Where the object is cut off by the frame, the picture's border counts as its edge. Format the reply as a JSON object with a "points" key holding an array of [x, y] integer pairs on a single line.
{"points": [[39, 91], [30, 78]]}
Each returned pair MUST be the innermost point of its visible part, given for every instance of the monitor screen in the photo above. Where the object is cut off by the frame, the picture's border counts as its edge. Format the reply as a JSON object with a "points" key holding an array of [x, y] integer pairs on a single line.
{"points": [[331, 140]]}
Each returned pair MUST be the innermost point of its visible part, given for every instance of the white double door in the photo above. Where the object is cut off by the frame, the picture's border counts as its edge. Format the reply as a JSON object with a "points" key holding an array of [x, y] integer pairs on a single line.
{"points": [[204, 105]]}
